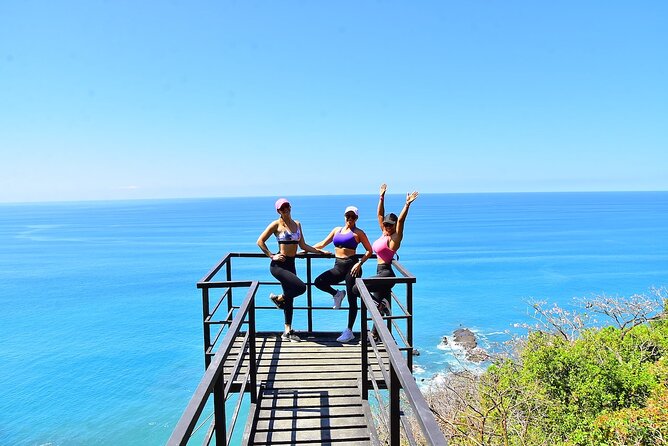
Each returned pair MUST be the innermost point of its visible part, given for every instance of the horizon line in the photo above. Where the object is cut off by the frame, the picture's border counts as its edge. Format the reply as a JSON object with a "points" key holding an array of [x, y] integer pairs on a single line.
{"points": [[215, 197]]}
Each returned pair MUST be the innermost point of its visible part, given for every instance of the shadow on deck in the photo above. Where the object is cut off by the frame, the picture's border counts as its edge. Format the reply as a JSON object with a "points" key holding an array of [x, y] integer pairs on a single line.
{"points": [[309, 392]]}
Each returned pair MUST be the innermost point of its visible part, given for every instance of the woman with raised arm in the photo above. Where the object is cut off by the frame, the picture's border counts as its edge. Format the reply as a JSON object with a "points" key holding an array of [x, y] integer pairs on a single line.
{"points": [[347, 266], [290, 236], [386, 247]]}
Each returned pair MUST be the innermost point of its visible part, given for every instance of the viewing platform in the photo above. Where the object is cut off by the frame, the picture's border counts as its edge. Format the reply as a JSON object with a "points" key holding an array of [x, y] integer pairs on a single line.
{"points": [[318, 391]]}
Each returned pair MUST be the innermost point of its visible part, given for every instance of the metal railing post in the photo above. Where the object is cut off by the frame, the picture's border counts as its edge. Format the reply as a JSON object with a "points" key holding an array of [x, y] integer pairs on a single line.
{"points": [[252, 358], [219, 411], [364, 333], [229, 279], [395, 415], [207, 332], [409, 325], [309, 296]]}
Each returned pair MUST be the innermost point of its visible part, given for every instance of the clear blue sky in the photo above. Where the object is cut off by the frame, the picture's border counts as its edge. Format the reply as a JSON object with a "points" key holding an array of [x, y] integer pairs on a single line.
{"points": [[155, 99]]}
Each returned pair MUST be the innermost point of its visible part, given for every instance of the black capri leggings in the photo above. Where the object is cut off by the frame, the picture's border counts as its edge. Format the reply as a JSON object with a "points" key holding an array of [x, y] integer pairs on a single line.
{"points": [[379, 291], [292, 285], [341, 271], [335, 275]]}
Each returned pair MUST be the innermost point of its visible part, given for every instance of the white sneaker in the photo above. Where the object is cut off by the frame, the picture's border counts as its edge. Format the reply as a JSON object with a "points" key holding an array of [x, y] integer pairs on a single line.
{"points": [[338, 298], [290, 337], [346, 336]]}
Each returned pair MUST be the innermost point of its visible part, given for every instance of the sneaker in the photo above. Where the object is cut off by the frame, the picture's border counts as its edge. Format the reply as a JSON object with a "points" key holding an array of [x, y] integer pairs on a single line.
{"points": [[373, 334], [338, 298], [290, 337], [346, 336], [384, 307], [274, 299]]}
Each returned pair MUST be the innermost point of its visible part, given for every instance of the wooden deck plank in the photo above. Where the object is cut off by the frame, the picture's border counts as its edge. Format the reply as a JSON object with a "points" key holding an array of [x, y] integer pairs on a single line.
{"points": [[310, 391], [311, 402], [298, 422], [310, 412], [311, 436]]}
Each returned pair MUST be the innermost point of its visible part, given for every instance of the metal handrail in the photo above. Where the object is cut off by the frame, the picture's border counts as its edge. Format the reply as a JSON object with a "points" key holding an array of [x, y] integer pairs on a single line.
{"points": [[400, 376], [212, 377]]}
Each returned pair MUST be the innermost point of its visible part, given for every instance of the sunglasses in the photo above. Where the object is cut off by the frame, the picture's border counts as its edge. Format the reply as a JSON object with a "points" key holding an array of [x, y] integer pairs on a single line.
{"points": [[284, 208], [388, 225], [351, 216]]}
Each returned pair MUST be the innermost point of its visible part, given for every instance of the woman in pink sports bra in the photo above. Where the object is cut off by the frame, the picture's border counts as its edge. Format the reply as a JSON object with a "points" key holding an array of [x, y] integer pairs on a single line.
{"points": [[386, 247]]}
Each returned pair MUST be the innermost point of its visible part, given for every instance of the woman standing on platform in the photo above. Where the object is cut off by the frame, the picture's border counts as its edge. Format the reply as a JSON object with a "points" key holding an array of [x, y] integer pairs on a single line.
{"points": [[347, 266], [290, 236], [386, 247]]}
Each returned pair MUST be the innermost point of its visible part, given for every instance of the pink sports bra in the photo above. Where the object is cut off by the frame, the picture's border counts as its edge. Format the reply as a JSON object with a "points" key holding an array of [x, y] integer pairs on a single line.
{"points": [[382, 250]]}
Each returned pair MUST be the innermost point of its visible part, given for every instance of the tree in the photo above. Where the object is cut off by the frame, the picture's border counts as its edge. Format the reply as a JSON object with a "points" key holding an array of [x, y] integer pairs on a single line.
{"points": [[572, 380]]}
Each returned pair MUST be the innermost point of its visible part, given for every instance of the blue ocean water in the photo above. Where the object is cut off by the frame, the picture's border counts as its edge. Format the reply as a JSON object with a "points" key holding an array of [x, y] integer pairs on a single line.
{"points": [[100, 329]]}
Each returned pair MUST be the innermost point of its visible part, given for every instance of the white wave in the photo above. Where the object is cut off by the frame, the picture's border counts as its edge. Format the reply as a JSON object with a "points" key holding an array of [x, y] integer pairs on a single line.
{"points": [[418, 369]]}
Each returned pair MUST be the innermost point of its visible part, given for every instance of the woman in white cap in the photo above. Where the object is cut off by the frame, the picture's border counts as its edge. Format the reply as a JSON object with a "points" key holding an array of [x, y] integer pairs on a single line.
{"points": [[290, 236], [386, 247], [347, 266]]}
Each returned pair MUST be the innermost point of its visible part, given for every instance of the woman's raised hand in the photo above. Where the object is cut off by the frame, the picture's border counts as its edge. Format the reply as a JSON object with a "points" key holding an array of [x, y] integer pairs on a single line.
{"points": [[383, 188], [410, 197]]}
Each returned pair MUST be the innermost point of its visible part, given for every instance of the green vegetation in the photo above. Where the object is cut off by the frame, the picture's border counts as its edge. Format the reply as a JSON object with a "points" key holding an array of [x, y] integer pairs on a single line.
{"points": [[569, 382]]}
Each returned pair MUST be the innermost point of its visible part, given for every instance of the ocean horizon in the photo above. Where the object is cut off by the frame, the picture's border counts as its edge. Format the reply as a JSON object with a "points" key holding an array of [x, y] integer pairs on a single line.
{"points": [[101, 325]]}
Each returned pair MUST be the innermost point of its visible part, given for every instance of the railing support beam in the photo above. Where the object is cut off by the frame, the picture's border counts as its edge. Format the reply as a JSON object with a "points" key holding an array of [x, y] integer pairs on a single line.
{"points": [[395, 415], [219, 411]]}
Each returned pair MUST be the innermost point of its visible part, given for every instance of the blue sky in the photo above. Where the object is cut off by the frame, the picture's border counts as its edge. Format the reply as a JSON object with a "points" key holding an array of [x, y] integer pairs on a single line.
{"points": [[157, 99]]}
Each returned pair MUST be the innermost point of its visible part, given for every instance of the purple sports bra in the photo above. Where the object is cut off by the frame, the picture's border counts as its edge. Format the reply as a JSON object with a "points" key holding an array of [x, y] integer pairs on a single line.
{"points": [[346, 240], [382, 250]]}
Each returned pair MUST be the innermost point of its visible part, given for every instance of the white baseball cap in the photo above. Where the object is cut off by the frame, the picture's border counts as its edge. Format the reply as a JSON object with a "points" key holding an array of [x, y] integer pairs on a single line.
{"points": [[352, 209]]}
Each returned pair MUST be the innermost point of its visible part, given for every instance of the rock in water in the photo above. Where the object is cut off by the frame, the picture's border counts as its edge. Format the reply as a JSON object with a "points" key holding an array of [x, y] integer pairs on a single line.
{"points": [[465, 338]]}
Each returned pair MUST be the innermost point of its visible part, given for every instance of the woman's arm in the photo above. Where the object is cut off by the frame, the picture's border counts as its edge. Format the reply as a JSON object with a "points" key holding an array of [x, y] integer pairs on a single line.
{"points": [[261, 241], [327, 240], [381, 205], [399, 234], [303, 245], [356, 270]]}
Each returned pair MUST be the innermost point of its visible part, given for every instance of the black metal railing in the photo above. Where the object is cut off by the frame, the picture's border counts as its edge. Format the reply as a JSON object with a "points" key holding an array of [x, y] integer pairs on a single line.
{"points": [[397, 376], [400, 322], [213, 381]]}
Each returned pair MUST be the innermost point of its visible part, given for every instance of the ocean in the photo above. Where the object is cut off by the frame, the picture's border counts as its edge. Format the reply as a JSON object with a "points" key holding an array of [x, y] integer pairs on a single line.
{"points": [[100, 328]]}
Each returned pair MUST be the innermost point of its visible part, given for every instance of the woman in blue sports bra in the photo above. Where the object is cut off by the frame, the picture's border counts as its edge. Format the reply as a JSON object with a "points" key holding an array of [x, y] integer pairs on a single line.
{"points": [[290, 237], [347, 266]]}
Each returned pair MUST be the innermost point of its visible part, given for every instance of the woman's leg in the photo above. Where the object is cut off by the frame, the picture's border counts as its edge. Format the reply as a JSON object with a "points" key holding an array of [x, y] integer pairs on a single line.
{"points": [[379, 291], [352, 300], [292, 285], [335, 275], [325, 281]]}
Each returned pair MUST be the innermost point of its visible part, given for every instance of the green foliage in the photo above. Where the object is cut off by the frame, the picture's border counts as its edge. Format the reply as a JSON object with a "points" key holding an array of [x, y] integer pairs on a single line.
{"points": [[607, 387]]}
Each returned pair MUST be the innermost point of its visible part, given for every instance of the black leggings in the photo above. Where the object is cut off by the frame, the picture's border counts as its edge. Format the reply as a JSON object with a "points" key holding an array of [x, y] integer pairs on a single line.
{"points": [[341, 271], [335, 275], [292, 285], [379, 291]]}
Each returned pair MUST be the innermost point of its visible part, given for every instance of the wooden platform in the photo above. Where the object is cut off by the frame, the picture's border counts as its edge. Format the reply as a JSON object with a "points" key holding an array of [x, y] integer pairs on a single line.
{"points": [[310, 391]]}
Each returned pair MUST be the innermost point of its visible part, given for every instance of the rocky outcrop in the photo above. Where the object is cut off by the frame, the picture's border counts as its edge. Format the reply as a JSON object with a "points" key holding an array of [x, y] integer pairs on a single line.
{"points": [[467, 340]]}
